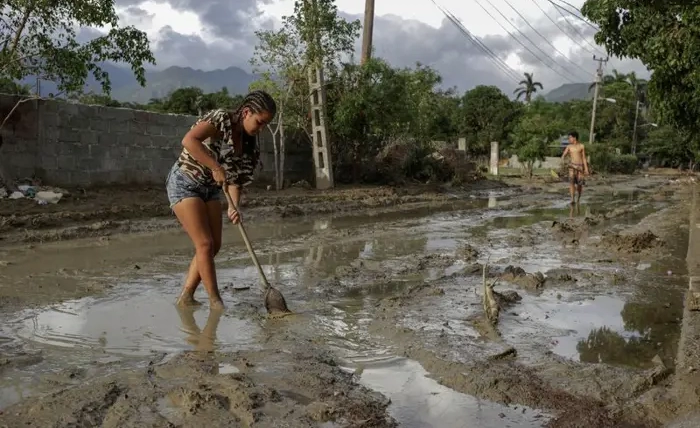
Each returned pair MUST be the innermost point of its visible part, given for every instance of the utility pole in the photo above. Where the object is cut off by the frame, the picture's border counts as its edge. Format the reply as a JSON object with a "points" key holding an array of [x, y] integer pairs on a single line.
{"points": [[367, 30], [317, 99], [634, 130], [598, 81]]}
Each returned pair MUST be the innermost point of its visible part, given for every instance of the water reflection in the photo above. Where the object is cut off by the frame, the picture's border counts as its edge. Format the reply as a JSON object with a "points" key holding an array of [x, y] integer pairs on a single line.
{"points": [[575, 209], [652, 316], [654, 324], [204, 339]]}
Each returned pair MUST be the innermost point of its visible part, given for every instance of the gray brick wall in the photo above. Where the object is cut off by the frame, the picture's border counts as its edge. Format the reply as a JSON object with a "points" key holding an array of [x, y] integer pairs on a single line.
{"points": [[67, 144]]}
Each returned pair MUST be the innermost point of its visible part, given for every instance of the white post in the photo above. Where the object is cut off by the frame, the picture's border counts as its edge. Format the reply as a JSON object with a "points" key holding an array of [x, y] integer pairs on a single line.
{"points": [[493, 168]]}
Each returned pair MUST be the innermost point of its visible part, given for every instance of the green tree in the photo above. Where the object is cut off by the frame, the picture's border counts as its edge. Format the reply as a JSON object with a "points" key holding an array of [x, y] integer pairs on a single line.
{"points": [[314, 36], [527, 88], [8, 86], [98, 99], [663, 36], [38, 38], [532, 135], [486, 115], [188, 100]]}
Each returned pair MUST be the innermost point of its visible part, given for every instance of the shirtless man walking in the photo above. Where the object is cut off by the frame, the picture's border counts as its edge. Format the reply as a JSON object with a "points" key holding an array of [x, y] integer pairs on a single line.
{"points": [[578, 166]]}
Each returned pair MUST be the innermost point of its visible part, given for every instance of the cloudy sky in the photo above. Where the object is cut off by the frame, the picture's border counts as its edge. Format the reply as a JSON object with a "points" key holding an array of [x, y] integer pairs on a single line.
{"points": [[527, 35]]}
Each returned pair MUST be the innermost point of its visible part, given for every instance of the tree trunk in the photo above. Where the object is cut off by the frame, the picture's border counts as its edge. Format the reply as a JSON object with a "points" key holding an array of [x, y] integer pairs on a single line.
{"points": [[276, 152], [282, 151]]}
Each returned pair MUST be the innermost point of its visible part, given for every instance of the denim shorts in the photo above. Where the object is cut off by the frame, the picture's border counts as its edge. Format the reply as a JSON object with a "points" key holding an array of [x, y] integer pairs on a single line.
{"points": [[180, 186]]}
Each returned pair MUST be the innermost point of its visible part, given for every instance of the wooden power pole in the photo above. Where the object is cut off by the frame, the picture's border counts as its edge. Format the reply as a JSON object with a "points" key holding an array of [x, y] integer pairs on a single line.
{"points": [[598, 81], [367, 30]]}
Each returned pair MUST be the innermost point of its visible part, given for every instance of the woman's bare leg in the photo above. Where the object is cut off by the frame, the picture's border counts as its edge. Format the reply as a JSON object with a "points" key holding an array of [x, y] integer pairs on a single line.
{"points": [[193, 278], [194, 217]]}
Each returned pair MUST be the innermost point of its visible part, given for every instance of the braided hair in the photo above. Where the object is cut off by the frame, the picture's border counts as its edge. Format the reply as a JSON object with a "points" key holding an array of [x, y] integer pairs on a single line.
{"points": [[257, 101]]}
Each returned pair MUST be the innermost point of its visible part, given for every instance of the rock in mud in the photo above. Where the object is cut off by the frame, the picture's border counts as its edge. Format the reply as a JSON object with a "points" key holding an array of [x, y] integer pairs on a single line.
{"points": [[518, 276], [467, 253], [631, 243]]}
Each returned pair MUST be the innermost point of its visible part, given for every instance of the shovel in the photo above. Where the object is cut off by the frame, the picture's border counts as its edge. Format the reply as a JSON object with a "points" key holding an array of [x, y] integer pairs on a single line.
{"points": [[274, 300]]}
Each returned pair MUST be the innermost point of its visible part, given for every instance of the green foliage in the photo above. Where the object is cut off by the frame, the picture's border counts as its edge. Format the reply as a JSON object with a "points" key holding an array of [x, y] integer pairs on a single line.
{"points": [[39, 38], [7, 86], [486, 114], [664, 36], [535, 132], [604, 159], [528, 87]]}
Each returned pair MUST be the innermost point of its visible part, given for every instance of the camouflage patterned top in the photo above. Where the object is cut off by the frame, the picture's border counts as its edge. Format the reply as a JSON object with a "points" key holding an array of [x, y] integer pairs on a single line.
{"points": [[239, 167]]}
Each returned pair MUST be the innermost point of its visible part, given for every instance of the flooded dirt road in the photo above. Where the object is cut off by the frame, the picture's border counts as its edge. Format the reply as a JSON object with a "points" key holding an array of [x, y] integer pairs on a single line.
{"points": [[389, 326]]}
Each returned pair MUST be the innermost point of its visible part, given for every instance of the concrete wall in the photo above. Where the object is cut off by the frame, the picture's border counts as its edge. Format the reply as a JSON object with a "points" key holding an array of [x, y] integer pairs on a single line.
{"points": [[68, 144], [549, 163]]}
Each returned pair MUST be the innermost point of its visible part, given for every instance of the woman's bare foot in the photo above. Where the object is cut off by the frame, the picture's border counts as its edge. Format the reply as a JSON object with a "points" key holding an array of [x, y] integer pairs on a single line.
{"points": [[216, 305], [187, 299]]}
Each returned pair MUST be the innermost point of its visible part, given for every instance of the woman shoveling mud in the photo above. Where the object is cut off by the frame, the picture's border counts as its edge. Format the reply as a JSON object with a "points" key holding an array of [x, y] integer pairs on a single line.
{"points": [[219, 150]]}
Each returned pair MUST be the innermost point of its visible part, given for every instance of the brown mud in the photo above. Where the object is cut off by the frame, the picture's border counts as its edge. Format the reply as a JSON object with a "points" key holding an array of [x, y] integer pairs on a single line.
{"points": [[388, 329]]}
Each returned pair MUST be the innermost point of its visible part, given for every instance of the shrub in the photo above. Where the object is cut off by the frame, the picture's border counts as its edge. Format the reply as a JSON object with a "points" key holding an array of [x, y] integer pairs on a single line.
{"points": [[605, 159]]}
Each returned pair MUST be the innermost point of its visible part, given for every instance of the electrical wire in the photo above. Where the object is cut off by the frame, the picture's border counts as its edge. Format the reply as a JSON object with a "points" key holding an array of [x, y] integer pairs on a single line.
{"points": [[500, 64], [577, 67], [558, 9], [520, 42], [561, 29], [577, 15]]}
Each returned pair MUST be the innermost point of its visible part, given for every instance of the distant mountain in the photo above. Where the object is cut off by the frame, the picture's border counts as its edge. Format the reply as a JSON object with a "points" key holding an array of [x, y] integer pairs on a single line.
{"points": [[118, 76], [568, 92], [159, 83]]}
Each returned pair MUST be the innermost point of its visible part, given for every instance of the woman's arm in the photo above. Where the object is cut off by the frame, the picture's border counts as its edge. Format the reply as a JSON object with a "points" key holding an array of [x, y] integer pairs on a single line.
{"points": [[193, 142], [235, 192]]}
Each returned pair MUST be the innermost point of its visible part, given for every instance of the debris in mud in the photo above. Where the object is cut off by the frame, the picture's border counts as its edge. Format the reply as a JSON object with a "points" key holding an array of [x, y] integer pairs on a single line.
{"points": [[508, 353], [518, 276], [289, 211], [491, 307], [493, 302], [631, 243], [190, 390], [467, 253], [562, 226], [303, 184], [560, 275], [434, 261]]}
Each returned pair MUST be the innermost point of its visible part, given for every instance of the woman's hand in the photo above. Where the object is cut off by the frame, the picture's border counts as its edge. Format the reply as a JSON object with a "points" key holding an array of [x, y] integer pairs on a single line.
{"points": [[219, 176], [234, 215]]}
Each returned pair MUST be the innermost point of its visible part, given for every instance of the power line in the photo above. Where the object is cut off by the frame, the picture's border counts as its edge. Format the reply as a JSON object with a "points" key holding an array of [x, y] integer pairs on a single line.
{"points": [[500, 64], [561, 29], [518, 40], [577, 16], [578, 69], [560, 8]]}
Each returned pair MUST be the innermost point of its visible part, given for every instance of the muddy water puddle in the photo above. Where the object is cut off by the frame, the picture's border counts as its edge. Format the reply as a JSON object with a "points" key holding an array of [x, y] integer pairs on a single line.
{"points": [[136, 321], [417, 399]]}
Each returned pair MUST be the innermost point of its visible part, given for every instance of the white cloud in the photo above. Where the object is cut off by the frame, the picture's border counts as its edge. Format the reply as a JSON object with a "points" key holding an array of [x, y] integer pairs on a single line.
{"points": [[220, 35]]}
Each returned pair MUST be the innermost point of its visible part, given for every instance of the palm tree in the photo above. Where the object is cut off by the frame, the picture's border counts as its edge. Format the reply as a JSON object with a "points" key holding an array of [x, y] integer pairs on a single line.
{"points": [[613, 77], [527, 87]]}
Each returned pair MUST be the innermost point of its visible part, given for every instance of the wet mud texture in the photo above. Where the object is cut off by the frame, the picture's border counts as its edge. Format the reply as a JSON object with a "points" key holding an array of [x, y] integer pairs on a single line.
{"points": [[302, 388], [294, 379], [83, 213]]}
